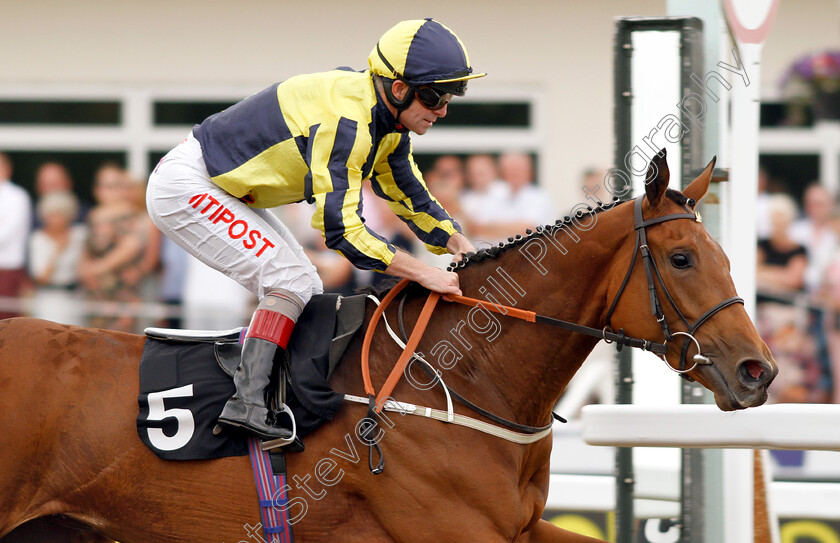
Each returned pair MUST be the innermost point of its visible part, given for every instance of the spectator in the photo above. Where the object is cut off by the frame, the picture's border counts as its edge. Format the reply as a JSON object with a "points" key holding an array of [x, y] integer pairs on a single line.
{"points": [[762, 212], [592, 186], [115, 248], [525, 205], [815, 232], [145, 274], [486, 194], [447, 189], [528, 202], [451, 169], [54, 253], [830, 295], [781, 260], [54, 177], [446, 182], [782, 322], [15, 225]]}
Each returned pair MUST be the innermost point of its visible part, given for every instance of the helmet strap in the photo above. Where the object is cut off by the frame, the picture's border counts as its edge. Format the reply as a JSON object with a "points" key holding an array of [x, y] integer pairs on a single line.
{"points": [[399, 105], [393, 100]]}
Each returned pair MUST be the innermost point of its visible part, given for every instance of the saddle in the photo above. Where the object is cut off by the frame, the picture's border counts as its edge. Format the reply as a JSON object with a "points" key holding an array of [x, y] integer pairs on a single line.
{"points": [[174, 371]]}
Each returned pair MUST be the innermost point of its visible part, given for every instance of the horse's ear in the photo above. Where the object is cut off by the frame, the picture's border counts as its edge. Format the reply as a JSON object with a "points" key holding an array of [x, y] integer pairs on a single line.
{"points": [[656, 180], [700, 186]]}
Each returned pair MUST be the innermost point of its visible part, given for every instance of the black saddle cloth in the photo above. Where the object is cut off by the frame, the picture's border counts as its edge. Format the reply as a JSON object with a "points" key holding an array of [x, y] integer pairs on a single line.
{"points": [[183, 388]]}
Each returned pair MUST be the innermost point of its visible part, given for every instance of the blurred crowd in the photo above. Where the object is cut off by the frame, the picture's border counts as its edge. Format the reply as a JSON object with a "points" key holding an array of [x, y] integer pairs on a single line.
{"points": [[104, 264], [58, 252], [798, 284]]}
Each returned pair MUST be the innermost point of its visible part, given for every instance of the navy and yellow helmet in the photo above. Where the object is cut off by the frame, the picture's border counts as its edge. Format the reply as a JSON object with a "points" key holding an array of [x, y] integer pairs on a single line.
{"points": [[423, 52]]}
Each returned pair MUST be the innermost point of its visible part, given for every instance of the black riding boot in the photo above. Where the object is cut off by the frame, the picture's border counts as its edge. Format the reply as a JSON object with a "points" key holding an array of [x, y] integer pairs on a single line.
{"points": [[270, 329], [247, 408]]}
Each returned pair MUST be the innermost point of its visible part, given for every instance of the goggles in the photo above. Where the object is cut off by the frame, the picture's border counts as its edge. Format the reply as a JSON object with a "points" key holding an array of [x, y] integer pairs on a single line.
{"points": [[432, 98]]}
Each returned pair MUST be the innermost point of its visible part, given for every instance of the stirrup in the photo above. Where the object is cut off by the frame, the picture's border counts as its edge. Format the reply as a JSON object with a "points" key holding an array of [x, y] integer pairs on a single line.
{"points": [[280, 442]]}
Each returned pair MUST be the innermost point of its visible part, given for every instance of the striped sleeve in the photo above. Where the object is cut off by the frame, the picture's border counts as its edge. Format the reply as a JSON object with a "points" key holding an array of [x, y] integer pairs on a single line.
{"points": [[400, 183], [338, 153]]}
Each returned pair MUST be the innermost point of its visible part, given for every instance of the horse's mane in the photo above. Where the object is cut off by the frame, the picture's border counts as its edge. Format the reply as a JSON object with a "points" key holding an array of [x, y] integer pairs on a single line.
{"points": [[514, 241]]}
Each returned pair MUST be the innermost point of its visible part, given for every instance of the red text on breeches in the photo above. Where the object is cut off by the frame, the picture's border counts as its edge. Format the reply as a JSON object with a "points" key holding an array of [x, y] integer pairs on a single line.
{"points": [[238, 229]]}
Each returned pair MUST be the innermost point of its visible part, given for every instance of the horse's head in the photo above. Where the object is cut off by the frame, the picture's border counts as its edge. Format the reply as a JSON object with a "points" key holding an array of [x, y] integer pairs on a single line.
{"points": [[696, 294]]}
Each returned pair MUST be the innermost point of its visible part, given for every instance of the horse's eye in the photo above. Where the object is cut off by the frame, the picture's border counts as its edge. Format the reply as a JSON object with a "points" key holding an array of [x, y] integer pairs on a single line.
{"points": [[680, 260]]}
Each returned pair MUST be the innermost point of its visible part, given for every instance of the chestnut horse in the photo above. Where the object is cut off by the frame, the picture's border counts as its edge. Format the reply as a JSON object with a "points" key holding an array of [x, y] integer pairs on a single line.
{"points": [[68, 397]]}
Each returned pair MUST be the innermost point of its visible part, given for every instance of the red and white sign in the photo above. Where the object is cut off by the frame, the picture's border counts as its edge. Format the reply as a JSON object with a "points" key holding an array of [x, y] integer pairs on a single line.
{"points": [[750, 20]]}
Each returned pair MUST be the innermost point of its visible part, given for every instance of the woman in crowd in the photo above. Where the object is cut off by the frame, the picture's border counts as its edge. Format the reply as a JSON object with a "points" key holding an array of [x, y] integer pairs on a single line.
{"points": [[113, 266], [781, 267], [781, 260], [54, 253]]}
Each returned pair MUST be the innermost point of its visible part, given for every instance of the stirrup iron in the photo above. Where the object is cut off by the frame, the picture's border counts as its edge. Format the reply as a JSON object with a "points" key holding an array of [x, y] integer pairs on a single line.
{"points": [[280, 442]]}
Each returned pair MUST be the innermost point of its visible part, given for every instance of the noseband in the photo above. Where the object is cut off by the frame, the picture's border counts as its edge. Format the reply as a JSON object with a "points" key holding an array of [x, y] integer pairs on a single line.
{"points": [[652, 275]]}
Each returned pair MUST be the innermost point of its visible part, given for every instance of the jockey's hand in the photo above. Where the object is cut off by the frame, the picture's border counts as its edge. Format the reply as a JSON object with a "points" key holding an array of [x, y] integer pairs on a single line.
{"points": [[435, 279], [459, 246], [442, 281]]}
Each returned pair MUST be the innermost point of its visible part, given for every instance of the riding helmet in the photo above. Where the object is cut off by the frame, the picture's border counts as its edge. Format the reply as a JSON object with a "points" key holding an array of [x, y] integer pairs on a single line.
{"points": [[423, 52]]}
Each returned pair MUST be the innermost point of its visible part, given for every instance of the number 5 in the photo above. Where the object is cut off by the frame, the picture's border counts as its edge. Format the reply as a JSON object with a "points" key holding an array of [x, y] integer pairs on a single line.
{"points": [[157, 411]]}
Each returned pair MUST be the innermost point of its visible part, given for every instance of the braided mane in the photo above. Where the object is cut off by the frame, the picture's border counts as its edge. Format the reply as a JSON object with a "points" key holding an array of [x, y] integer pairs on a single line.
{"points": [[515, 241]]}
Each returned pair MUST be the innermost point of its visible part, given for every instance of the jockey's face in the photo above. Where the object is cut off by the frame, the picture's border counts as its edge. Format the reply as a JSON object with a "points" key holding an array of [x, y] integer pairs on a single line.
{"points": [[417, 117]]}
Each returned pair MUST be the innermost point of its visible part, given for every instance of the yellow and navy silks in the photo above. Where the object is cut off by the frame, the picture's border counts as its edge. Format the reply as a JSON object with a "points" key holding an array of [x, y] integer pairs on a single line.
{"points": [[317, 137]]}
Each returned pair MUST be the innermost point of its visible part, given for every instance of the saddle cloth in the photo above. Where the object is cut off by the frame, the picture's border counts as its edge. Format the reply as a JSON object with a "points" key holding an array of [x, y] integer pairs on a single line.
{"points": [[185, 380]]}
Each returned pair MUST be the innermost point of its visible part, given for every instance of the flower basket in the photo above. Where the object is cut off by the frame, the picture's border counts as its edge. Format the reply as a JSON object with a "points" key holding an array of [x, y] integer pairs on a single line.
{"points": [[814, 80]]}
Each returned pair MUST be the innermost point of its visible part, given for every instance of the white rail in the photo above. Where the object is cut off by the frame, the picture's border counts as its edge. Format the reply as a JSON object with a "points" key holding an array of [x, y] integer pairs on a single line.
{"points": [[780, 426]]}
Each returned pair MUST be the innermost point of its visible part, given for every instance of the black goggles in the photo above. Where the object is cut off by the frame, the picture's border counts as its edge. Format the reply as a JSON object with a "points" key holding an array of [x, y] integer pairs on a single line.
{"points": [[432, 98]]}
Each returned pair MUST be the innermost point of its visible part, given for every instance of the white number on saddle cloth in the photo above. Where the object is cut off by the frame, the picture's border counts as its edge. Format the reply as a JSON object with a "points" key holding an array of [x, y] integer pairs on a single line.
{"points": [[158, 412]]}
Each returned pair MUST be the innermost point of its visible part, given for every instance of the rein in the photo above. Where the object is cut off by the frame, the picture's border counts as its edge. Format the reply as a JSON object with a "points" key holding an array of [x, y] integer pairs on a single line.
{"points": [[376, 403]]}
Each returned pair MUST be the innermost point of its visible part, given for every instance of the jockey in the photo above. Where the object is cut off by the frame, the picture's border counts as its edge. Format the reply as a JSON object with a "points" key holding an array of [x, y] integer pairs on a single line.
{"points": [[314, 137]]}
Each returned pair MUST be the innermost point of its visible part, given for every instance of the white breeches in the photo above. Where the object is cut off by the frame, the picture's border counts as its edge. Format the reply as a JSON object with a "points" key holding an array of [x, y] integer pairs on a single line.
{"points": [[250, 245]]}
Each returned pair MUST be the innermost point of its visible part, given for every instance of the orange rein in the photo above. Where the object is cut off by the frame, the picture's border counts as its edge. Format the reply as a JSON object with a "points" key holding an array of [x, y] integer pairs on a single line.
{"points": [[417, 334]]}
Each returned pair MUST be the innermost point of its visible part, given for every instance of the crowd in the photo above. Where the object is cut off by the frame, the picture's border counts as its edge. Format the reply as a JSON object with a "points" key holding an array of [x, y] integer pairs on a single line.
{"points": [[58, 252], [104, 264], [798, 283]]}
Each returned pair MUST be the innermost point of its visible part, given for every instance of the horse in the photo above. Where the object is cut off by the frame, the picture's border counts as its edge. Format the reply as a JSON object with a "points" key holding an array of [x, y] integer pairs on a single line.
{"points": [[68, 395]]}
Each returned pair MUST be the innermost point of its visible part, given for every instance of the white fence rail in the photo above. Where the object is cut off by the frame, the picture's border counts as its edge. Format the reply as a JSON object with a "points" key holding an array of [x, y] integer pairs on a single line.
{"points": [[780, 426]]}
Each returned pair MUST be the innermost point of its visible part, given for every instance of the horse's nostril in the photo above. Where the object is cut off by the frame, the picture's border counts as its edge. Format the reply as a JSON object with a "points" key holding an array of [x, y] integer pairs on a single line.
{"points": [[751, 370]]}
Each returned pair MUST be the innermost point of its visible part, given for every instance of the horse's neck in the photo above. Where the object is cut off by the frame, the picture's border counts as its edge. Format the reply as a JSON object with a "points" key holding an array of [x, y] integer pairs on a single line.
{"points": [[564, 275]]}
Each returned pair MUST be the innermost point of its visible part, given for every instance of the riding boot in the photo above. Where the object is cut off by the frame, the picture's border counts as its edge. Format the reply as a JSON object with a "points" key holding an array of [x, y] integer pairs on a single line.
{"points": [[270, 329]]}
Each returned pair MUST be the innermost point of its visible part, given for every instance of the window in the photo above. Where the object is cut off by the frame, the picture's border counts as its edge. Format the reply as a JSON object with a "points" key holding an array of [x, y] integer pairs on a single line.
{"points": [[487, 114], [168, 113], [60, 112]]}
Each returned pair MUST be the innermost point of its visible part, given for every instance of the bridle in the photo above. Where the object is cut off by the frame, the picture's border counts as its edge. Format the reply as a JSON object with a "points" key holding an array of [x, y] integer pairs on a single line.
{"points": [[652, 275]]}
